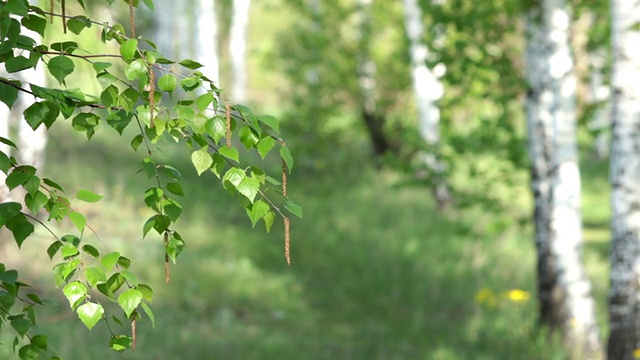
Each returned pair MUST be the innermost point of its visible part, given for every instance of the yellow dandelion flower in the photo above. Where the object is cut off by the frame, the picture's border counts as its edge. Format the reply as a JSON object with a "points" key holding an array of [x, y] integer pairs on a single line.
{"points": [[636, 353], [518, 295], [485, 296]]}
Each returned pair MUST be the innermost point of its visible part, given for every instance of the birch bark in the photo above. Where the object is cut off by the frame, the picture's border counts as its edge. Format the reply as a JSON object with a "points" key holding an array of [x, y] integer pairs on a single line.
{"points": [[564, 291], [624, 296], [237, 49], [207, 39], [427, 89]]}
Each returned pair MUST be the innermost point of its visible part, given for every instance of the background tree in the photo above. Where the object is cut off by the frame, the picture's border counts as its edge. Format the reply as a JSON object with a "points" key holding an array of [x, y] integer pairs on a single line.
{"points": [[624, 306], [237, 49], [564, 290], [427, 90]]}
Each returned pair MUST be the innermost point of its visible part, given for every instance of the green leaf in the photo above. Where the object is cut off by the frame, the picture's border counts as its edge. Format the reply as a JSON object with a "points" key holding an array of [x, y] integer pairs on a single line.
{"points": [[268, 220], [136, 142], [234, 176], [86, 122], [8, 210], [29, 352], [174, 246], [39, 341], [99, 66], [41, 112], [257, 211], [79, 220], [175, 188], [190, 64], [248, 137], [88, 196], [172, 209], [95, 275], [69, 250], [109, 96], [109, 260], [293, 208], [21, 325], [149, 313], [128, 49], [9, 276], [128, 98], [264, 145], [130, 277], [20, 227], [190, 83], [203, 101], [124, 262], [17, 63], [201, 160], [60, 67], [91, 250], [65, 46], [35, 202], [216, 128], [249, 188], [115, 282], [146, 291], [18, 7], [135, 69], [78, 23], [286, 156], [75, 292], [9, 94], [62, 272], [35, 23], [90, 313], [129, 300], [167, 82], [52, 250], [120, 343], [119, 120], [270, 121], [230, 153]]}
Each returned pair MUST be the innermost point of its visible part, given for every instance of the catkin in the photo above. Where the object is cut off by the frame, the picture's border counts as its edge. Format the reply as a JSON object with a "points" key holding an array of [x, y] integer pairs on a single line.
{"points": [[132, 20]]}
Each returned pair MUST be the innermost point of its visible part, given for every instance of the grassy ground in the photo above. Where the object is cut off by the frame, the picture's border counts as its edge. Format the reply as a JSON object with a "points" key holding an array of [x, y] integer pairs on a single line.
{"points": [[377, 273]]}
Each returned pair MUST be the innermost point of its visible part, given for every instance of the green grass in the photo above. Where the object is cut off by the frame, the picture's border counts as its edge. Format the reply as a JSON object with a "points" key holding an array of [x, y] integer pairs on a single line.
{"points": [[377, 272]]}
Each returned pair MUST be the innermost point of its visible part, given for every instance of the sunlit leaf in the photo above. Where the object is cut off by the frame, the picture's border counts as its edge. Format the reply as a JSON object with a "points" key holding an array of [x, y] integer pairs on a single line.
{"points": [[201, 160], [74, 292], [129, 300], [90, 313]]}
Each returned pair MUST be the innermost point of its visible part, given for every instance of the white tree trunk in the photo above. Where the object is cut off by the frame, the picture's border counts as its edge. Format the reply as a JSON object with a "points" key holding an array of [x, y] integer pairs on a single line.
{"points": [[31, 144], [237, 49], [624, 294], [207, 39], [564, 288], [427, 89], [366, 66]]}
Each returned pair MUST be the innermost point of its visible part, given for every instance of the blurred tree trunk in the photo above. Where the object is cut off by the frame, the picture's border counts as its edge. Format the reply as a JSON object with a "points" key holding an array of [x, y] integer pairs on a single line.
{"points": [[237, 50], [367, 73], [427, 89], [564, 290], [31, 143], [207, 39], [624, 293]]}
